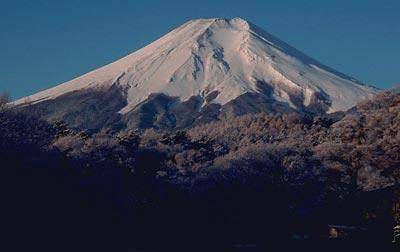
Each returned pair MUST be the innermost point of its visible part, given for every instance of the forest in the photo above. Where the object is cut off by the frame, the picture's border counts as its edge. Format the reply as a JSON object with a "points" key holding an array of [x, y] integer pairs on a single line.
{"points": [[250, 179]]}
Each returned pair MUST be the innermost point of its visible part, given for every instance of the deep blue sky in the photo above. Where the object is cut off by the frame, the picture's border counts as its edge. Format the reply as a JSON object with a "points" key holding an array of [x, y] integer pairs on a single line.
{"points": [[47, 42]]}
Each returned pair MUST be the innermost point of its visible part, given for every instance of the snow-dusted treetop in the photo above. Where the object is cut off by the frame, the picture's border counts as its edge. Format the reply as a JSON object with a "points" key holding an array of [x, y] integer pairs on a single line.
{"points": [[229, 56]]}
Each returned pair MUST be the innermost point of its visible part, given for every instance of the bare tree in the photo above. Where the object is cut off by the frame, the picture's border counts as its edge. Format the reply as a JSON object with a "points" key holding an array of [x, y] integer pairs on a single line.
{"points": [[5, 98]]}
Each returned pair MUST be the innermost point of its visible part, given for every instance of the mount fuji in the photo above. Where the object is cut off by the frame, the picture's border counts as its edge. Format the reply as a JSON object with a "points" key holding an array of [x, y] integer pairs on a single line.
{"points": [[204, 70]]}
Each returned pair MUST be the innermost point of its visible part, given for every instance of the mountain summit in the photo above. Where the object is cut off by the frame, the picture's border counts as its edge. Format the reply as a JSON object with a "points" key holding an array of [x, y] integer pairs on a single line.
{"points": [[214, 62]]}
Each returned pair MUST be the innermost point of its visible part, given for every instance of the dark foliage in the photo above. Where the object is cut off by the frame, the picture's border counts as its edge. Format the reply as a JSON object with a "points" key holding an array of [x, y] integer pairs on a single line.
{"points": [[249, 179]]}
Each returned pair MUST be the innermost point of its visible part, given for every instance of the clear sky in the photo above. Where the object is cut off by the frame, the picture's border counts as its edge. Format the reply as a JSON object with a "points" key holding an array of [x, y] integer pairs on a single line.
{"points": [[47, 42]]}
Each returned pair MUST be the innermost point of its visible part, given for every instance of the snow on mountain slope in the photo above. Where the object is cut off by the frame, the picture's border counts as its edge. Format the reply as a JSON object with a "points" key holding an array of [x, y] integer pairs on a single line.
{"points": [[224, 57]]}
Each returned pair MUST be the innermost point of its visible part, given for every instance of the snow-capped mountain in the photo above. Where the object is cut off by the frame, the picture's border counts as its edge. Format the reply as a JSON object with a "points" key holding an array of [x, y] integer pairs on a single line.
{"points": [[213, 62]]}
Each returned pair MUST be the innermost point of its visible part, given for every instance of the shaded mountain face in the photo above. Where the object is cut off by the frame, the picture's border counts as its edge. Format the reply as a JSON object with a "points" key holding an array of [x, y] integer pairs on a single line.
{"points": [[205, 70]]}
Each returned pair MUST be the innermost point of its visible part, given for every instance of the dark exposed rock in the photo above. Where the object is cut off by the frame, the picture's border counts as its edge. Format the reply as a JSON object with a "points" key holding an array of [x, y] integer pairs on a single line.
{"points": [[154, 112], [85, 109]]}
